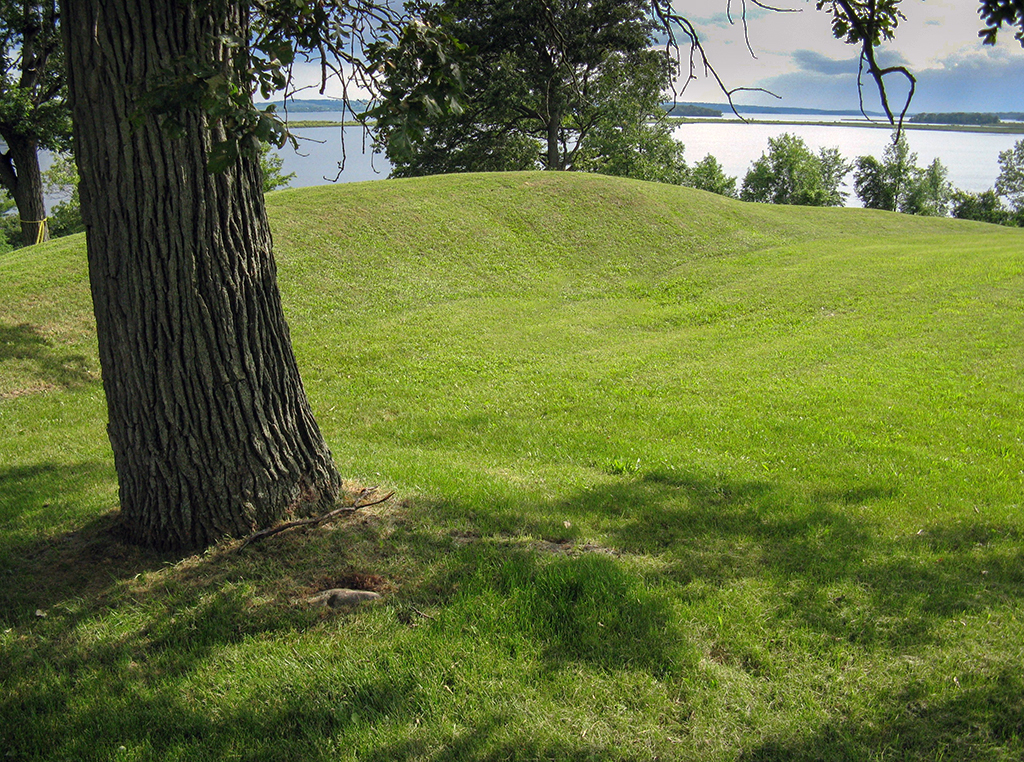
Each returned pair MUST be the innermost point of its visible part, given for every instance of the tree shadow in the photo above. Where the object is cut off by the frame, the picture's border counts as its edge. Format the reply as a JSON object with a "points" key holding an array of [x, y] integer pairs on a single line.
{"points": [[79, 566], [33, 488], [165, 615], [581, 607], [813, 549], [49, 366], [567, 610], [827, 565], [975, 722], [478, 744]]}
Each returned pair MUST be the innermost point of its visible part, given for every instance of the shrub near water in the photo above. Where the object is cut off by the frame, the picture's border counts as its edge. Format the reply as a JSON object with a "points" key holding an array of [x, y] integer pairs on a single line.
{"points": [[677, 477]]}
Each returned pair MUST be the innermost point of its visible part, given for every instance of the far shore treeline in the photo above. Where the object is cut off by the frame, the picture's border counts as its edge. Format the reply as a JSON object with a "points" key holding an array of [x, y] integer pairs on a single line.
{"points": [[695, 110], [955, 117]]}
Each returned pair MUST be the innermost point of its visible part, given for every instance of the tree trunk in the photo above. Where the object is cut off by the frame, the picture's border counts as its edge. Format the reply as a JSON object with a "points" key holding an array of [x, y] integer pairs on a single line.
{"points": [[20, 175], [211, 430], [554, 160]]}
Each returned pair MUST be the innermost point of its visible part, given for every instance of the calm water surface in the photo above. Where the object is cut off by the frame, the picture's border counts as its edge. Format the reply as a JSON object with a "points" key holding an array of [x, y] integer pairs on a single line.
{"points": [[971, 158], [322, 150]]}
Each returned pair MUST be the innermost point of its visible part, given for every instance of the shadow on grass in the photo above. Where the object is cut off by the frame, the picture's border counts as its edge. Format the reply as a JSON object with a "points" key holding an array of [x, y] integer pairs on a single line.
{"points": [[41, 568], [144, 626], [974, 722], [478, 744], [50, 367], [30, 489], [828, 562], [569, 611], [143, 629], [79, 566], [139, 624]]}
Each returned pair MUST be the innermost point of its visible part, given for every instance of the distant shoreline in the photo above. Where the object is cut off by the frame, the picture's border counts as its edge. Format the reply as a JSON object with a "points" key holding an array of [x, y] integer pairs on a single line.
{"points": [[1003, 128], [305, 124]]}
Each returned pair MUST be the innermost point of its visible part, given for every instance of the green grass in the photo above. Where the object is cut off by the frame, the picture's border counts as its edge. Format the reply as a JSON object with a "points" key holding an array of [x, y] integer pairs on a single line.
{"points": [[677, 478]]}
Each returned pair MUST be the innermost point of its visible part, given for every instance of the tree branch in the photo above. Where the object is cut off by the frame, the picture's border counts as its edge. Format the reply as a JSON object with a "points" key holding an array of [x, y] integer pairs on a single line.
{"points": [[316, 521], [868, 31]]}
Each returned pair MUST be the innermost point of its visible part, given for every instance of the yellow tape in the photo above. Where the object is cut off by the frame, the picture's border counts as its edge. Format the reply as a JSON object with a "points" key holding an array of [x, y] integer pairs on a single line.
{"points": [[42, 227]]}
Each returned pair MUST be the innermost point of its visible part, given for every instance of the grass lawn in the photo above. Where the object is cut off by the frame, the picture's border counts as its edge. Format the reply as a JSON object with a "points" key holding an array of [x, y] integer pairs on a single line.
{"points": [[676, 477]]}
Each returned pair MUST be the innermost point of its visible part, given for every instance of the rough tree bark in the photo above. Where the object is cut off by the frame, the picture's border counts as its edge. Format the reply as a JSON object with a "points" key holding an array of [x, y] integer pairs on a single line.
{"points": [[211, 430]]}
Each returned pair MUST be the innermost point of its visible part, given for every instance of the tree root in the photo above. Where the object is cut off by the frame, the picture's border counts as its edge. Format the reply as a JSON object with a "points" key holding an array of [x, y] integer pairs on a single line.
{"points": [[316, 521]]}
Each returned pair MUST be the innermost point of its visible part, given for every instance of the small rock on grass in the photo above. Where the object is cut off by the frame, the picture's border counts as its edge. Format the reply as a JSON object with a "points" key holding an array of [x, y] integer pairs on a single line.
{"points": [[342, 597]]}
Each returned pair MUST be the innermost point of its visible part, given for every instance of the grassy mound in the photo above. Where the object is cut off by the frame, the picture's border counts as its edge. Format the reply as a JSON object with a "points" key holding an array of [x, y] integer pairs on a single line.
{"points": [[679, 478]]}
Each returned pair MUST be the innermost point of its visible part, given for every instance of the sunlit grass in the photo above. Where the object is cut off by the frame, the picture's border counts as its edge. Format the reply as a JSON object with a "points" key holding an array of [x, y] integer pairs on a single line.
{"points": [[677, 477]]}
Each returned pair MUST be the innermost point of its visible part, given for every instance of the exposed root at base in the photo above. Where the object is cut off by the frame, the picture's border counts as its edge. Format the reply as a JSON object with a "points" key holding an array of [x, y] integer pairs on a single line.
{"points": [[317, 520]]}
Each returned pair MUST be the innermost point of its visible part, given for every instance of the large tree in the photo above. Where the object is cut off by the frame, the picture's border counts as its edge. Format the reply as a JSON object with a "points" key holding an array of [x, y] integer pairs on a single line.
{"points": [[541, 77], [33, 111], [632, 136], [211, 430]]}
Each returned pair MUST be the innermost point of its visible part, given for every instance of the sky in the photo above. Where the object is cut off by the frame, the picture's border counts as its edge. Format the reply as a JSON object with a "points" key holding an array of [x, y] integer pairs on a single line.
{"points": [[798, 59]]}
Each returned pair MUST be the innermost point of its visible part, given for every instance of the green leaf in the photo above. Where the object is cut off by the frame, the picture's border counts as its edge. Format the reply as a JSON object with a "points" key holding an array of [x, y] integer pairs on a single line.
{"points": [[222, 156]]}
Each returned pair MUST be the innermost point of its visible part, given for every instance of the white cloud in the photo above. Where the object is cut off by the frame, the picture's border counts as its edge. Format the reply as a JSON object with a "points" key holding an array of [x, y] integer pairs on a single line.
{"points": [[306, 83], [975, 81], [988, 81], [798, 58]]}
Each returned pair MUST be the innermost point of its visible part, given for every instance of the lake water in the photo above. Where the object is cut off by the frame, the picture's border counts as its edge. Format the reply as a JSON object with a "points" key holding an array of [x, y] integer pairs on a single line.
{"points": [[970, 157], [322, 149]]}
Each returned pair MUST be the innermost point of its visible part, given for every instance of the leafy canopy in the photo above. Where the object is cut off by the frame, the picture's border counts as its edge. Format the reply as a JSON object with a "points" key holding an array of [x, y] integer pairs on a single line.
{"points": [[897, 184], [632, 136], [1010, 183], [790, 173], [985, 206], [33, 92], [350, 40], [540, 77], [708, 175]]}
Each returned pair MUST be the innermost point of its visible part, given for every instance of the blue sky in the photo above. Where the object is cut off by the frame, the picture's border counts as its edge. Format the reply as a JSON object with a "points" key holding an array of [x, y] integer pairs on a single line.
{"points": [[798, 59]]}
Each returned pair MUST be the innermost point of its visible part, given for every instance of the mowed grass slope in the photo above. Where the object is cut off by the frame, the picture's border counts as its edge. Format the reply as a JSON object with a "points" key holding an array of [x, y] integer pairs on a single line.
{"points": [[677, 478]]}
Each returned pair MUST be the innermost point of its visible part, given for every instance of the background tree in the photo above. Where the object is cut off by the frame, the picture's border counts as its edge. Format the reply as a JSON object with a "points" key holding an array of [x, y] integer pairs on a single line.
{"points": [[1010, 183], [10, 228], [929, 192], [33, 108], [708, 175], [271, 164], [61, 179], [632, 136], [897, 184], [872, 184], [544, 77], [983, 207], [789, 173]]}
